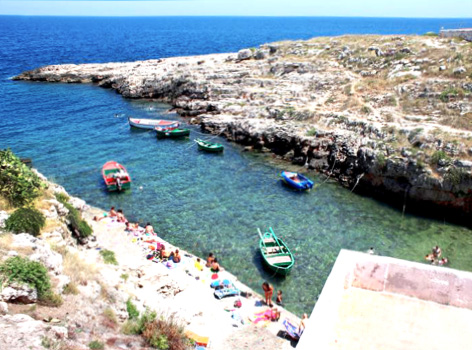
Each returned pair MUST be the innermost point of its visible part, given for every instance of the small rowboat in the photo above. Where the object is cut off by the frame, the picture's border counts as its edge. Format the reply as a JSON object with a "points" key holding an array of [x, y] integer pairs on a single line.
{"points": [[115, 176], [209, 146], [152, 123], [275, 253], [296, 180], [172, 132]]}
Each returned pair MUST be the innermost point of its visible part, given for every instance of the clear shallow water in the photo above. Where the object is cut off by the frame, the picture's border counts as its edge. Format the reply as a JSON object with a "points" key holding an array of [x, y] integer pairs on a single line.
{"points": [[201, 202]]}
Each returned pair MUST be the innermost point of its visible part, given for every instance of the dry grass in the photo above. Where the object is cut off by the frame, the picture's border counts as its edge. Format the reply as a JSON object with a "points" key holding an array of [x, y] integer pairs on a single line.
{"points": [[78, 270], [4, 205]]}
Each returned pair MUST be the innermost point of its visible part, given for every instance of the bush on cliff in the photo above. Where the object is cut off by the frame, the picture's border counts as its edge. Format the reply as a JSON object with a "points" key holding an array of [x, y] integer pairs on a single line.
{"points": [[22, 270], [27, 220], [108, 257], [79, 226], [162, 333], [18, 183]]}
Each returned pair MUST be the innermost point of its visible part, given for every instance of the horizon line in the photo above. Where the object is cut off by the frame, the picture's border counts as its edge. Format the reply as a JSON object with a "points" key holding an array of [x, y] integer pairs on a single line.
{"points": [[233, 16]]}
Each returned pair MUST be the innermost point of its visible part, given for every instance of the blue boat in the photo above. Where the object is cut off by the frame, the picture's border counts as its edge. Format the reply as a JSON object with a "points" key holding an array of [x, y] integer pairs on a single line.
{"points": [[296, 180]]}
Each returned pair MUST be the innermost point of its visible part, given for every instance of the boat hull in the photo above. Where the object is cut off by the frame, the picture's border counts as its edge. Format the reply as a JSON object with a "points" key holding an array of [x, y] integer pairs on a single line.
{"points": [[172, 134], [151, 124], [209, 146], [296, 181], [276, 256], [116, 177]]}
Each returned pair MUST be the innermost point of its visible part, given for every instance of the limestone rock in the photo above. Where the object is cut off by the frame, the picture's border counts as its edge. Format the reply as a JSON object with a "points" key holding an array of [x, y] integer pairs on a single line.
{"points": [[21, 332], [3, 217], [3, 308], [459, 70], [49, 258], [78, 203], [19, 293], [244, 54]]}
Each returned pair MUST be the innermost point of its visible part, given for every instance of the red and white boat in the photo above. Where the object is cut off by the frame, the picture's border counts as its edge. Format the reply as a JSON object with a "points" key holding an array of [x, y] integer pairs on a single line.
{"points": [[152, 123], [115, 176]]}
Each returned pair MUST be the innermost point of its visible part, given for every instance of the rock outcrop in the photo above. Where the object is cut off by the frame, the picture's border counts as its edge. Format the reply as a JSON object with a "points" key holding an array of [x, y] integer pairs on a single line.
{"points": [[384, 115]]}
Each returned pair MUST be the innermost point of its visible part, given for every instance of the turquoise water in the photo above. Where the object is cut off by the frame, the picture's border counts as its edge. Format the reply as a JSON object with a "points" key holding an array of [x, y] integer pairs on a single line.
{"points": [[201, 202], [214, 202]]}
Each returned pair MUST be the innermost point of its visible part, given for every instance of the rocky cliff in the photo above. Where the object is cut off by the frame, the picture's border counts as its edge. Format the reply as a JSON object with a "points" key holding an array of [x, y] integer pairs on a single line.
{"points": [[385, 115]]}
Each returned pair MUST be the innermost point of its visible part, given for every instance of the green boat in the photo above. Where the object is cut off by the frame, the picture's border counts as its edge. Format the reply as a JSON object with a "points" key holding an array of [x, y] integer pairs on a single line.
{"points": [[171, 133], [209, 146], [275, 253]]}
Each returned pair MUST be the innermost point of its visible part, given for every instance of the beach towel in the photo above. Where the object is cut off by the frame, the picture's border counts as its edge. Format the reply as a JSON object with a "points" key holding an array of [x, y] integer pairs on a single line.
{"points": [[226, 292], [198, 339], [292, 330]]}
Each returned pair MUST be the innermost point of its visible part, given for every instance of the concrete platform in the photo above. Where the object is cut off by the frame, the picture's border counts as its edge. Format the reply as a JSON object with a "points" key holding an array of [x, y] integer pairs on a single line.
{"points": [[373, 302]]}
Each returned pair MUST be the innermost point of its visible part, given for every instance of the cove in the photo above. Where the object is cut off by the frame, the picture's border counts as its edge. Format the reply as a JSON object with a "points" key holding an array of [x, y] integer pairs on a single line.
{"points": [[209, 202]]}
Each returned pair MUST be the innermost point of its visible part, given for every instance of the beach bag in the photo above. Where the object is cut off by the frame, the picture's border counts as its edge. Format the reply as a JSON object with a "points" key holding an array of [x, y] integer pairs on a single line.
{"points": [[238, 303]]}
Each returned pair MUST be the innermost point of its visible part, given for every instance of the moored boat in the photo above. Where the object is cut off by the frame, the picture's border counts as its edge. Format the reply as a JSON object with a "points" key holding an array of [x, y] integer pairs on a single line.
{"points": [[209, 146], [115, 176], [152, 123], [296, 180], [172, 132], [275, 253]]}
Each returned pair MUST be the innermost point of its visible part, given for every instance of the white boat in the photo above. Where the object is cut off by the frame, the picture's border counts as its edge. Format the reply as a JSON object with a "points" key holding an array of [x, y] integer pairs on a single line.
{"points": [[152, 123]]}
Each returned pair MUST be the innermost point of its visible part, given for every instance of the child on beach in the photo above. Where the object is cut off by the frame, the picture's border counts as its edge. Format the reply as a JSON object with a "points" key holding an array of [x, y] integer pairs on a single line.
{"points": [[198, 265], [278, 300], [209, 260]]}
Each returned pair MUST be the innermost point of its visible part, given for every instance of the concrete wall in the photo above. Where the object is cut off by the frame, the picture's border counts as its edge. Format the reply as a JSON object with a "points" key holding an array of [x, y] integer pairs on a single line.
{"points": [[456, 33]]}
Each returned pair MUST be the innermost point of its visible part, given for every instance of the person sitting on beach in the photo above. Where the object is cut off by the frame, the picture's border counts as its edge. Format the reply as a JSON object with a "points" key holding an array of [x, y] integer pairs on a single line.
{"points": [[443, 261], [302, 326], [430, 258], [113, 213], [176, 256], [278, 300], [120, 217], [164, 253], [215, 267], [436, 251], [149, 229], [268, 292], [198, 265], [209, 260]]}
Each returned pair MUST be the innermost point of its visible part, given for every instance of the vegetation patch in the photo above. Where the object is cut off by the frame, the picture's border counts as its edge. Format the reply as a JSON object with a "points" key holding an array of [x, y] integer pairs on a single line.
{"points": [[133, 312], [96, 345], [71, 288], [27, 220], [18, 183], [22, 270], [450, 93], [311, 132], [456, 175], [163, 333], [438, 156], [79, 226], [108, 257]]}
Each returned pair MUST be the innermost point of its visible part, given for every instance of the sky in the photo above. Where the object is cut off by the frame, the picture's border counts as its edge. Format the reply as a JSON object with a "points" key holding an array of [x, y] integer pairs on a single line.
{"points": [[350, 8]]}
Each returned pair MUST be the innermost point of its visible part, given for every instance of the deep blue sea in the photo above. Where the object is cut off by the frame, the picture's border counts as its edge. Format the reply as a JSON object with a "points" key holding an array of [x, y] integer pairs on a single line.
{"points": [[201, 202]]}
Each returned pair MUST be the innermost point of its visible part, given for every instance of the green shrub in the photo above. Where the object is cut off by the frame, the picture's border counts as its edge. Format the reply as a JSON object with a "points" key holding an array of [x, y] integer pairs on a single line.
{"points": [[79, 226], [430, 34], [381, 159], [456, 175], [27, 220], [108, 257], [96, 345], [450, 92], [166, 333], [32, 273], [18, 183], [366, 110], [124, 276], [311, 132], [438, 155], [133, 312], [138, 325]]}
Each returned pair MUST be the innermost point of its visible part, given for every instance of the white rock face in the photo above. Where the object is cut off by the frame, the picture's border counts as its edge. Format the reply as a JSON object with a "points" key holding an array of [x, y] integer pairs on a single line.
{"points": [[49, 258], [3, 308], [244, 54], [21, 332], [78, 203], [3, 217], [25, 240], [19, 293]]}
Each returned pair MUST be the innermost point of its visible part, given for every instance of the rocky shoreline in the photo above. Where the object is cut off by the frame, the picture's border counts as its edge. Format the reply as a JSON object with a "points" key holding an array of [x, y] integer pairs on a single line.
{"points": [[96, 294], [388, 116]]}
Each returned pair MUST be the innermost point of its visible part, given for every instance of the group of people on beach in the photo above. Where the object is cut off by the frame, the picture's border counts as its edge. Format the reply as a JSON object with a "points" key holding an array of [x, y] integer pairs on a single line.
{"points": [[435, 257]]}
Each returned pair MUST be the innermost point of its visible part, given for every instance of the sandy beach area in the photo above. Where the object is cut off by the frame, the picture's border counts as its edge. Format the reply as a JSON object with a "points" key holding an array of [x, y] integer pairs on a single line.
{"points": [[185, 293]]}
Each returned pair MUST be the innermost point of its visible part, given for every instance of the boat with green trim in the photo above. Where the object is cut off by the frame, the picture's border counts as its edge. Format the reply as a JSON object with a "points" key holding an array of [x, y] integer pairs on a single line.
{"points": [[209, 146], [171, 133], [115, 176], [275, 253]]}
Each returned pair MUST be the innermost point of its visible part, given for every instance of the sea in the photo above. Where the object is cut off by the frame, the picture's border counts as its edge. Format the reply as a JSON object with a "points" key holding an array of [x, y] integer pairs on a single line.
{"points": [[198, 201]]}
